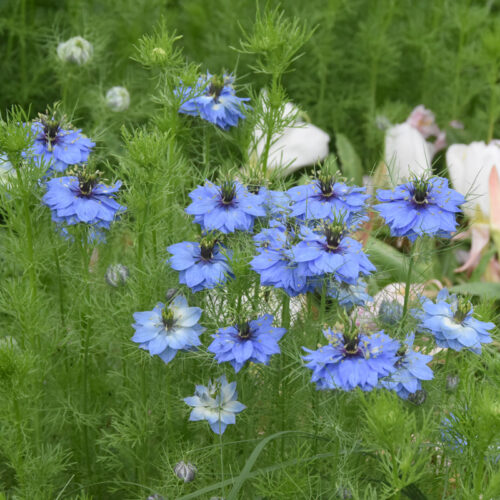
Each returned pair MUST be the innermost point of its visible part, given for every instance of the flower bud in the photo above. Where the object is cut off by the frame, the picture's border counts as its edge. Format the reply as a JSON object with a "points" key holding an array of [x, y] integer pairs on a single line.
{"points": [[185, 471], [118, 98], [116, 275], [452, 382], [75, 50], [155, 497], [390, 312]]}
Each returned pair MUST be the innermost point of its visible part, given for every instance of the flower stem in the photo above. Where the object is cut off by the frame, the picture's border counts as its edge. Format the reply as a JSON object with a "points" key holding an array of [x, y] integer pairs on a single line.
{"points": [[87, 332], [221, 460], [408, 286], [285, 322]]}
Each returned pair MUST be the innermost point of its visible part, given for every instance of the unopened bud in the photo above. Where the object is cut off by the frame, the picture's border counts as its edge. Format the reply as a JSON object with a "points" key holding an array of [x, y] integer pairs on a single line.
{"points": [[75, 50], [185, 471], [118, 98], [452, 382], [116, 275]]}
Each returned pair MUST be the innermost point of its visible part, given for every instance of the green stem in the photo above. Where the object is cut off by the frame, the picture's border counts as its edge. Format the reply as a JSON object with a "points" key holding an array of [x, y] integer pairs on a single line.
{"points": [[285, 322], [408, 286], [222, 461], [87, 329]]}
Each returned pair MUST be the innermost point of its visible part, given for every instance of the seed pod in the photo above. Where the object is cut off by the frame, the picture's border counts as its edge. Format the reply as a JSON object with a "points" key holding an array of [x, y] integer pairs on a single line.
{"points": [[116, 275], [185, 471]]}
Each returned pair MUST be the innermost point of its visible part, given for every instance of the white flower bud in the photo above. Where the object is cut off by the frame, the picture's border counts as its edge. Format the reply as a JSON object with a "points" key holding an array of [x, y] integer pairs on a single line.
{"points": [[118, 98], [75, 50], [185, 471], [116, 275]]}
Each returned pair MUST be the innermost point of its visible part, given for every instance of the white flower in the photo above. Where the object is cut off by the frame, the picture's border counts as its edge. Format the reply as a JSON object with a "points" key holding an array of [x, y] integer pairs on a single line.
{"points": [[298, 145], [407, 152], [118, 98], [75, 50], [7, 171], [470, 167]]}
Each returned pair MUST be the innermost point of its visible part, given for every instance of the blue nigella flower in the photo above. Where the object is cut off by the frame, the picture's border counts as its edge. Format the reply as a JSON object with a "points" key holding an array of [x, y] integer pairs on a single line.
{"points": [[216, 404], [411, 369], [254, 341], [226, 209], [213, 99], [276, 203], [275, 262], [347, 362], [423, 206], [325, 199], [348, 295], [451, 322], [81, 198], [168, 328], [58, 147], [202, 265], [329, 251]]}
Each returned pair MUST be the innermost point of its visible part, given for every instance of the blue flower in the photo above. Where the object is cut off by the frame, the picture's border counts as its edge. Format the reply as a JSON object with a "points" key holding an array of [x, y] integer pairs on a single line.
{"points": [[352, 361], [411, 369], [276, 203], [451, 322], [82, 198], [202, 265], [420, 207], [216, 404], [328, 251], [214, 100], [168, 328], [347, 295], [226, 209], [253, 341], [275, 262], [58, 147], [326, 199]]}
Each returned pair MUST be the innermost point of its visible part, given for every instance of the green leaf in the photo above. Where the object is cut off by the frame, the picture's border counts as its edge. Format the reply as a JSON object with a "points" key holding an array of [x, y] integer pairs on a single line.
{"points": [[487, 290], [351, 164]]}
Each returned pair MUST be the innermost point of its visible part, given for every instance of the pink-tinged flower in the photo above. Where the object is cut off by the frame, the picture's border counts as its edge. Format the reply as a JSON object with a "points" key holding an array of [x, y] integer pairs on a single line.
{"points": [[474, 172], [424, 121], [407, 150]]}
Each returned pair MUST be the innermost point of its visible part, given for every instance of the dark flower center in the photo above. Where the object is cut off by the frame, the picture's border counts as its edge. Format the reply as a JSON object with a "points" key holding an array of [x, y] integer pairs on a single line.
{"points": [[167, 317], [207, 245], [228, 192], [216, 86], [334, 233], [51, 128], [420, 191], [351, 345], [87, 182], [326, 183], [253, 188], [244, 331], [463, 308]]}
